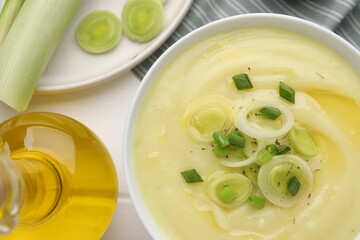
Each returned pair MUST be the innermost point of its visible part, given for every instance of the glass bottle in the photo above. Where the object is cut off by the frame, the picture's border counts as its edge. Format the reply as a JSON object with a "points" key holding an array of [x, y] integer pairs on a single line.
{"points": [[57, 180]]}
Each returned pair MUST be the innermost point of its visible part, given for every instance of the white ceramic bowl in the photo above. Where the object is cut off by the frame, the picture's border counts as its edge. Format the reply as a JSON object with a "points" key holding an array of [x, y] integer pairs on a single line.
{"points": [[321, 34]]}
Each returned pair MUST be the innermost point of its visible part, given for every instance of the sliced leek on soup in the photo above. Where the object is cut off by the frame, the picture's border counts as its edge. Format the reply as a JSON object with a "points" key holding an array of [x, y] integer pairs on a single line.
{"points": [[230, 190], [285, 180], [249, 122], [207, 115]]}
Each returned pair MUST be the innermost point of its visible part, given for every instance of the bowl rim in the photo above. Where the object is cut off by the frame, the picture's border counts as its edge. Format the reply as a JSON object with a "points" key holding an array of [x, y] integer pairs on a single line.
{"points": [[280, 21]]}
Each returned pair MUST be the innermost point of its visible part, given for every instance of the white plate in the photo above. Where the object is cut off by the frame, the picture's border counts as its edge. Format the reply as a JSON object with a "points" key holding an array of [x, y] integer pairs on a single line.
{"points": [[71, 68]]}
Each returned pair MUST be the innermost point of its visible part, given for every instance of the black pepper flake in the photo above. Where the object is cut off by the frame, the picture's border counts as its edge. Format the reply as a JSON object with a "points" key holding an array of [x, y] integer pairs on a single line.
{"points": [[309, 196], [249, 68], [203, 148], [321, 76]]}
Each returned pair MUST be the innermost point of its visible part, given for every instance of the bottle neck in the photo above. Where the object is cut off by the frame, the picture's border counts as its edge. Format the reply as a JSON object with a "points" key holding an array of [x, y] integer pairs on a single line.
{"points": [[42, 187], [11, 192], [34, 190]]}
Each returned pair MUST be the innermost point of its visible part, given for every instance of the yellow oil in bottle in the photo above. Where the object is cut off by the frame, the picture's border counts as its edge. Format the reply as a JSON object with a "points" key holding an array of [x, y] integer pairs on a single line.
{"points": [[70, 181]]}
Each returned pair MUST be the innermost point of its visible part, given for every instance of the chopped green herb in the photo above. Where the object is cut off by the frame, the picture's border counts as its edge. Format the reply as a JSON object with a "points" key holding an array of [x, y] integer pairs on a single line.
{"points": [[191, 176], [272, 148], [220, 139], [242, 81], [263, 156], [237, 152], [286, 92], [256, 201], [283, 149], [221, 152], [270, 112], [236, 138], [293, 185], [227, 195]]}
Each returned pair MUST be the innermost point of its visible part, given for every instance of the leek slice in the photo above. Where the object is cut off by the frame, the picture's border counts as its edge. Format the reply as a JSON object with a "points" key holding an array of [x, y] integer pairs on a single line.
{"points": [[7, 17], [274, 176], [207, 115], [251, 150], [142, 20], [251, 172], [29, 46], [303, 141], [230, 190], [249, 123], [98, 32]]}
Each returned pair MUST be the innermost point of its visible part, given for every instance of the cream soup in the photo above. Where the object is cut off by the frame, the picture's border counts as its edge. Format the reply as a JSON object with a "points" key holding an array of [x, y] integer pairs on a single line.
{"points": [[327, 95]]}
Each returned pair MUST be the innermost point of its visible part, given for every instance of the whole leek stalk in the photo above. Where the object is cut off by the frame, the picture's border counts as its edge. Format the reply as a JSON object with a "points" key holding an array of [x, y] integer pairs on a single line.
{"points": [[7, 16], [29, 46]]}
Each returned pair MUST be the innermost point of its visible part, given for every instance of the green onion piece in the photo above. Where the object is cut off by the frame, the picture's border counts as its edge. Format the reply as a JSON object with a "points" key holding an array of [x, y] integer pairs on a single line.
{"points": [[227, 195], [98, 32], [302, 141], [283, 149], [28, 47], [142, 20], [293, 185], [229, 190], [256, 201], [236, 138], [263, 157], [220, 139], [242, 81], [286, 92], [237, 152], [273, 149], [270, 112], [221, 152], [7, 17], [191, 176]]}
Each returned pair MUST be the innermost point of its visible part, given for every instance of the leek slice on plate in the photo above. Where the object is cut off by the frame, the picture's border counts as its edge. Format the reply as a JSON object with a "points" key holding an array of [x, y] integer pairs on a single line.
{"points": [[142, 20], [98, 32], [275, 177], [29, 46]]}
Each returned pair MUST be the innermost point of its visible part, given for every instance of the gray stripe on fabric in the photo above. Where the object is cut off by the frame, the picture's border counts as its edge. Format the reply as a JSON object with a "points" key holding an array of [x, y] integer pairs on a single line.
{"points": [[327, 12], [218, 11], [342, 32], [261, 6], [237, 6], [349, 28], [288, 9], [200, 13]]}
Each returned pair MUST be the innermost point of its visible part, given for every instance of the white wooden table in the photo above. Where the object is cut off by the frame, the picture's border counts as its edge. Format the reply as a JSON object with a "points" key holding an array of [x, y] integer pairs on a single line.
{"points": [[103, 109]]}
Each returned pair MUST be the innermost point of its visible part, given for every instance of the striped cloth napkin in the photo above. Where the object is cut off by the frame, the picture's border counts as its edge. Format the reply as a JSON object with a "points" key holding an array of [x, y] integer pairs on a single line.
{"points": [[340, 16]]}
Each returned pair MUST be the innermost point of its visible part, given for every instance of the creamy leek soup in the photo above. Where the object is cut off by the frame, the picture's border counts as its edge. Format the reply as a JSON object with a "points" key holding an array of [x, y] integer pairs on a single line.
{"points": [[251, 134]]}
